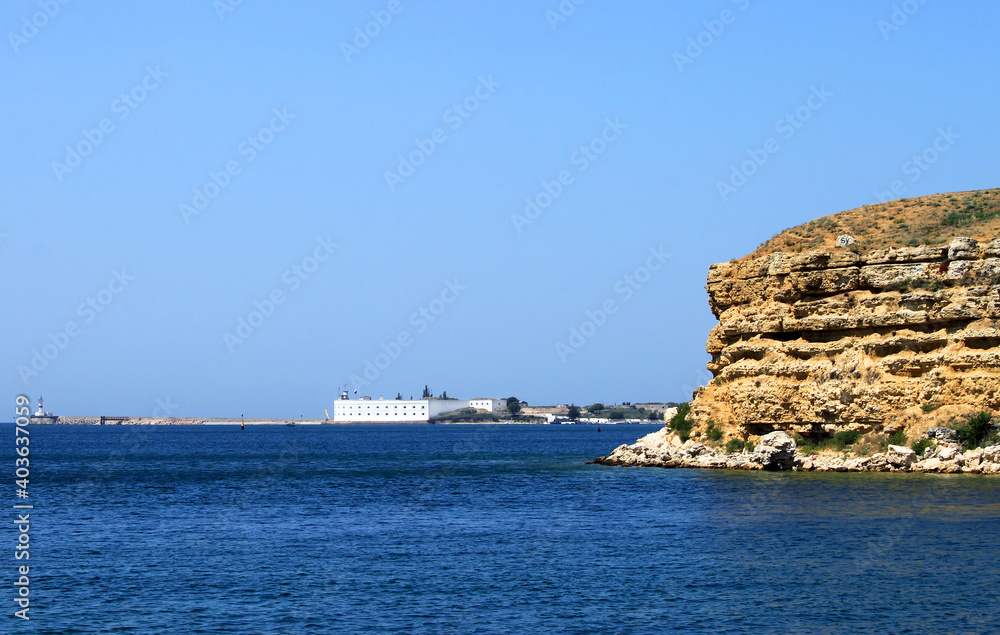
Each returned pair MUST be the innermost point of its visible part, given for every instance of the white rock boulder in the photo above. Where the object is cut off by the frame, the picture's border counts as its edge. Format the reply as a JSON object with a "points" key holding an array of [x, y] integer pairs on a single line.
{"points": [[900, 457], [776, 451]]}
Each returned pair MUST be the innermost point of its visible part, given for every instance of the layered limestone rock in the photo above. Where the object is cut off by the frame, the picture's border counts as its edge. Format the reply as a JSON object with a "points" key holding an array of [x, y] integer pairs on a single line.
{"points": [[831, 339]]}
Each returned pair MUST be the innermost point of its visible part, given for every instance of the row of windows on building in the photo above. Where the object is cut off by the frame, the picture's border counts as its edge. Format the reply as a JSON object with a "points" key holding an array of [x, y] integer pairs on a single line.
{"points": [[351, 408]]}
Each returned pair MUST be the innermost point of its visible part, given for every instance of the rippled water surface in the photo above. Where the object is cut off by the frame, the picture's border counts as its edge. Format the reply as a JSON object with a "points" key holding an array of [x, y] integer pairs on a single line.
{"points": [[483, 529]]}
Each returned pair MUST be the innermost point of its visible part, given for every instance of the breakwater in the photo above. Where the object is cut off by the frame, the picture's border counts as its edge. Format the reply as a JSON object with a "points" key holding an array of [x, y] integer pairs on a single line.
{"points": [[167, 421]]}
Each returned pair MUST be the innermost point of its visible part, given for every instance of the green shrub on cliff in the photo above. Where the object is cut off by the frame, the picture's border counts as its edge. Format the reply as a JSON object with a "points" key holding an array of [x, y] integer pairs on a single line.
{"points": [[804, 445], [680, 423], [714, 434], [845, 438], [734, 445], [920, 446], [897, 438], [978, 432]]}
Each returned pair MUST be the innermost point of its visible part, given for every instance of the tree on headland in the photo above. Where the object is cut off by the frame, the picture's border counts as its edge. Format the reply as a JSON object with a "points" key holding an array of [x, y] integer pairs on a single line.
{"points": [[399, 396], [574, 413], [444, 395], [427, 393], [595, 408], [513, 405]]}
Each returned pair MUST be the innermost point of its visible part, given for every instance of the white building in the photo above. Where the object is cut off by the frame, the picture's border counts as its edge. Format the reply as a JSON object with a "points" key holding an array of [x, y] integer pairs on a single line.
{"points": [[489, 405], [368, 410]]}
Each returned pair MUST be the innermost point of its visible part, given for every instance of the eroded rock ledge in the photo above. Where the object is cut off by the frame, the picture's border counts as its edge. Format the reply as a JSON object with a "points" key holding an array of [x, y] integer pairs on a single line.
{"points": [[777, 451], [826, 340]]}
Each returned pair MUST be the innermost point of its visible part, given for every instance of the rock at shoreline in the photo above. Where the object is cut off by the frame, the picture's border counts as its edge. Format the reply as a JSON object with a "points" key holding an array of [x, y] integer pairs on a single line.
{"points": [[941, 434], [900, 457], [778, 451]]}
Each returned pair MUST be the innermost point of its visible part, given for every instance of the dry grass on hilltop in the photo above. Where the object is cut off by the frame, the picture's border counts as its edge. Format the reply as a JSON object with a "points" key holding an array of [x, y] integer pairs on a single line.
{"points": [[932, 220]]}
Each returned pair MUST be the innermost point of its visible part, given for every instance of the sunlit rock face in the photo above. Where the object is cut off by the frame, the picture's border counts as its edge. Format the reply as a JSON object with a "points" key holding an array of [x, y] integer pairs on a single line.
{"points": [[830, 339]]}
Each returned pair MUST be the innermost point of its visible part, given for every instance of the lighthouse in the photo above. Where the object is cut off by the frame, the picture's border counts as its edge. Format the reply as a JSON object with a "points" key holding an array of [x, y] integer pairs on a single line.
{"points": [[41, 416]]}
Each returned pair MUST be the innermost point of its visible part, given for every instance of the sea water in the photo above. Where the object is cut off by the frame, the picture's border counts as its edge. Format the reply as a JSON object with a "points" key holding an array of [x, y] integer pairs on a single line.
{"points": [[481, 529]]}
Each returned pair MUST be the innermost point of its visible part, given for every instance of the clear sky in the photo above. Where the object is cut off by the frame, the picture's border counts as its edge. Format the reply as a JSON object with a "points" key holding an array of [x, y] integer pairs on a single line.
{"points": [[225, 208]]}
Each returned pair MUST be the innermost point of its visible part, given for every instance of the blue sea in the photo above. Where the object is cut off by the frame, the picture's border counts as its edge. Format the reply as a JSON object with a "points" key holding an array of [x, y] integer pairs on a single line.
{"points": [[481, 529]]}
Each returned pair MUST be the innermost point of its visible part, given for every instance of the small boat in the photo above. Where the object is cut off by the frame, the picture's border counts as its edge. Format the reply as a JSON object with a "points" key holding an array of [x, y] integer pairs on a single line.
{"points": [[290, 424]]}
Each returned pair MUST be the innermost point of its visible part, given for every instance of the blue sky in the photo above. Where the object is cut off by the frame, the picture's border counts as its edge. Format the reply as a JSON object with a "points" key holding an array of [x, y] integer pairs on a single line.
{"points": [[359, 203]]}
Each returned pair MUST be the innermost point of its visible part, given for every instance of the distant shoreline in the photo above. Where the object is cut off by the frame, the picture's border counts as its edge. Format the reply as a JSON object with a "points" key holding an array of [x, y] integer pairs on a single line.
{"points": [[228, 421]]}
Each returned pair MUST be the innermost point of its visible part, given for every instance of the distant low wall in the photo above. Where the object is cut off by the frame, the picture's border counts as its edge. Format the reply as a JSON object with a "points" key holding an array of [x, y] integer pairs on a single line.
{"points": [[168, 421]]}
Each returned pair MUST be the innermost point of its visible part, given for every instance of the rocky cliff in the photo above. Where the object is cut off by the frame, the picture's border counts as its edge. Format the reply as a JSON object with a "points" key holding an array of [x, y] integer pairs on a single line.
{"points": [[842, 338]]}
